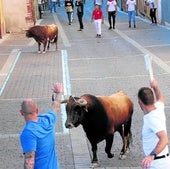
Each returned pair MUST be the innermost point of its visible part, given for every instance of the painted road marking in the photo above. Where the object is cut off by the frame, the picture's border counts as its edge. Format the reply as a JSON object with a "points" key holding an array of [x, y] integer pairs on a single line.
{"points": [[157, 60], [6, 136], [61, 31], [8, 68], [66, 85]]}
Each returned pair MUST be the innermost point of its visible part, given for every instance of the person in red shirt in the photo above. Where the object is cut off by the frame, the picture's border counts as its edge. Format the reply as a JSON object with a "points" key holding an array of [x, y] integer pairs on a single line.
{"points": [[97, 17]]}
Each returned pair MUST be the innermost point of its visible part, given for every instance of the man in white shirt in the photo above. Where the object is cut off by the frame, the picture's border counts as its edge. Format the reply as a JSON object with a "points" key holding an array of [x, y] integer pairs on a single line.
{"points": [[154, 132], [130, 6]]}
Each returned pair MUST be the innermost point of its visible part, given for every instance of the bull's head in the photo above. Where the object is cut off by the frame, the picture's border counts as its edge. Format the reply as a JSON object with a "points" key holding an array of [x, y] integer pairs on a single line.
{"points": [[28, 33], [75, 108]]}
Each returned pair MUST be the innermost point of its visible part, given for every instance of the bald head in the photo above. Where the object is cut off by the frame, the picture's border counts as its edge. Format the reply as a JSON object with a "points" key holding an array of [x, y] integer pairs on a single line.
{"points": [[28, 106]]}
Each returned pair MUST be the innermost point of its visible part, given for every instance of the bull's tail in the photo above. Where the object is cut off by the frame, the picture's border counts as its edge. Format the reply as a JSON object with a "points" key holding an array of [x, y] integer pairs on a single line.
{"points": [[130, 138], [55, 39], [126, 131], [127, 134]]}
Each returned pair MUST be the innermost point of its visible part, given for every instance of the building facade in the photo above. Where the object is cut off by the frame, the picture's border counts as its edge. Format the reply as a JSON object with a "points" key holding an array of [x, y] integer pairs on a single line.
{"points": [[165, 4], [163, 10], [2, 20], [17, 16]]}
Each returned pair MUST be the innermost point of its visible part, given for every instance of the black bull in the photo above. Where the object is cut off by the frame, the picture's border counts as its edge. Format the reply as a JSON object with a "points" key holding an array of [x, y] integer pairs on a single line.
{"points": [[101, 117]]}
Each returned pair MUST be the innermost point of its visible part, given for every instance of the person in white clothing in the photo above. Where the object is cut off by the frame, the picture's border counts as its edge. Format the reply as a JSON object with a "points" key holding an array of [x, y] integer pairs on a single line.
{"points": [[112, 11], [130, 7], [153, 8], [154, 132], [98, 2]]}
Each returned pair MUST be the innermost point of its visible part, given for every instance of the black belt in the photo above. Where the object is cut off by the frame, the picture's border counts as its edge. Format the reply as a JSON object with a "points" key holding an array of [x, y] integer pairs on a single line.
{"points": [[163, 156]]}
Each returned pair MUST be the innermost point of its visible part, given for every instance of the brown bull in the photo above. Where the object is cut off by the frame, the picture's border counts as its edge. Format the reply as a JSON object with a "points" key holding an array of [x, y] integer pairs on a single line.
{"points": [[100, 117], [44, 34]]}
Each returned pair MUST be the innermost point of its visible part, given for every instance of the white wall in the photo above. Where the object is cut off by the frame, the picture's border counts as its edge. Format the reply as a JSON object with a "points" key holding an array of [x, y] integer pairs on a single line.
{"points": [[15, 12]]}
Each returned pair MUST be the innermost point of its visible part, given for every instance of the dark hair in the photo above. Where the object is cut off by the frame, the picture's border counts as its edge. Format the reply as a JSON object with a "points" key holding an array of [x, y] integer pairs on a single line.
{"points": [[146, 95]]}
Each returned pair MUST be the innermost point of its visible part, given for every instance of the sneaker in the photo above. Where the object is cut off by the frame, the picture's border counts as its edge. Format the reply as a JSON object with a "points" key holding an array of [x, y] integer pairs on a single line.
{"points": [[79, 30], [134, 26], [99, 36], [110, 27], [129, 26]]}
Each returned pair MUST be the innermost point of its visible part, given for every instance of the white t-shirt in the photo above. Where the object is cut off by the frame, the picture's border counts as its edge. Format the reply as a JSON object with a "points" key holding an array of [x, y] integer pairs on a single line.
{"points": [[111, 5], [153, 122], [151, 3], [39, 1], [98, 2], [131, 5]]}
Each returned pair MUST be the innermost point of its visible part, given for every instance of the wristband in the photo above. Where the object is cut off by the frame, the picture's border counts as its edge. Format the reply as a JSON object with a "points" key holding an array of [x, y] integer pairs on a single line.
{"points": [[153, 154]]}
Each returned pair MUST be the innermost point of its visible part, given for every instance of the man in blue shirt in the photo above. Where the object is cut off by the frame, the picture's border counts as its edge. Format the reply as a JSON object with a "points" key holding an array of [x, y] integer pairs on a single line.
{"points": [[38, 135]]}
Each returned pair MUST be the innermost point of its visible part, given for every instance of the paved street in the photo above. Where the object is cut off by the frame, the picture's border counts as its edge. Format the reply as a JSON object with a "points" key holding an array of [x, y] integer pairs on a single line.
{"points": [[84, 64]]}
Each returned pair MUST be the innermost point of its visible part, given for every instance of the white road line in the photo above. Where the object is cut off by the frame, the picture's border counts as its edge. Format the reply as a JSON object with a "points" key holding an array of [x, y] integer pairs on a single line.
{"points": [[8, 68], [66, 76], [66, 85], [61, 31], [6, 136]]}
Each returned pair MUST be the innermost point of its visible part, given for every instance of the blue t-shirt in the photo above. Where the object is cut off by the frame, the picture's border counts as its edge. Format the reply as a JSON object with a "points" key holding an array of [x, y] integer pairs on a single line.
{"points": [[40, 137]]}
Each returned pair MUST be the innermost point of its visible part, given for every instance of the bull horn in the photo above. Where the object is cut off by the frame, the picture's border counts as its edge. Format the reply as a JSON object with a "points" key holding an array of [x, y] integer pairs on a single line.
{"points": [[66, 98], [82, 102], [64, 101]]}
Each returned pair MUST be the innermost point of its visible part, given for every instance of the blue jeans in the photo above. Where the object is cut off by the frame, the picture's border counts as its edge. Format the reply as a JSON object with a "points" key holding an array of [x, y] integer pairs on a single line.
{"points": [[53, 6], [131, 15]]}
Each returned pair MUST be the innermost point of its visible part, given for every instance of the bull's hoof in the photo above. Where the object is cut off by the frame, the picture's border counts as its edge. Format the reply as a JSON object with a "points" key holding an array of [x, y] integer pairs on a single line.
{"points": [[127, 151], [110, 155], [95, 165], [122, 156]]}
